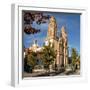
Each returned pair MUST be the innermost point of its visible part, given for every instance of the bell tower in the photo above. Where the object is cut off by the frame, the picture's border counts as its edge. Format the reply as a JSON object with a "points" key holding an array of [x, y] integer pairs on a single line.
{"points": [[65, 46], [52, 28]]}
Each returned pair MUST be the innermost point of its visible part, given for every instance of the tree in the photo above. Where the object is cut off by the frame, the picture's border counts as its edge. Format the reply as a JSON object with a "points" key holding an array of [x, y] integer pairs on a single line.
{"points": [[48, 56], [30, 17], [74, 56], [32, 59], [79, 59], [78, 62]]}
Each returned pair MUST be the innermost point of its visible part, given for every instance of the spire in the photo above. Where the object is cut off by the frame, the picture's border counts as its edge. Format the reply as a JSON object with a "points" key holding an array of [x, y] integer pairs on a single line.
{"points": [[63, 29], [63, 32], [35, 43]]}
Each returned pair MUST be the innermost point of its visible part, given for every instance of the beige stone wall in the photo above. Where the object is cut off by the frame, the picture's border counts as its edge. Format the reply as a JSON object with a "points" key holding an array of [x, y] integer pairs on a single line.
{"points": [[60, 44], [52, 28]]}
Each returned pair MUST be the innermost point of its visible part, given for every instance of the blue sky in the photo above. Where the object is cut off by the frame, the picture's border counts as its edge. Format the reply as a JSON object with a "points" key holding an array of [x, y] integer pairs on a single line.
{"points": [[70, 21]]}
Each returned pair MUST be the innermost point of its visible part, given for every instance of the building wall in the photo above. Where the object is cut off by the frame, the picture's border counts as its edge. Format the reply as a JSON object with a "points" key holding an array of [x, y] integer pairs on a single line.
{"points": [[60, 43]]}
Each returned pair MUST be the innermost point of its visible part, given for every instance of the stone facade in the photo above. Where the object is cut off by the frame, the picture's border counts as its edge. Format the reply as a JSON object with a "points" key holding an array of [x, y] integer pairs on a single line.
{"points": [[59, 43]]}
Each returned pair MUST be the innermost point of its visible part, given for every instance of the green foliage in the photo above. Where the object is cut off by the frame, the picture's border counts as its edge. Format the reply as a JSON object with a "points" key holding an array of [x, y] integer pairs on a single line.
{"points": [[48, 56], [74, 55], [31, 59], [75, 58], [78, 59]]}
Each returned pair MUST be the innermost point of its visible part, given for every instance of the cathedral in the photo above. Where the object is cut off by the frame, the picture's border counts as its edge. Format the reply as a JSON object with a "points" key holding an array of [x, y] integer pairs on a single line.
{"points": [[60, 43]]}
